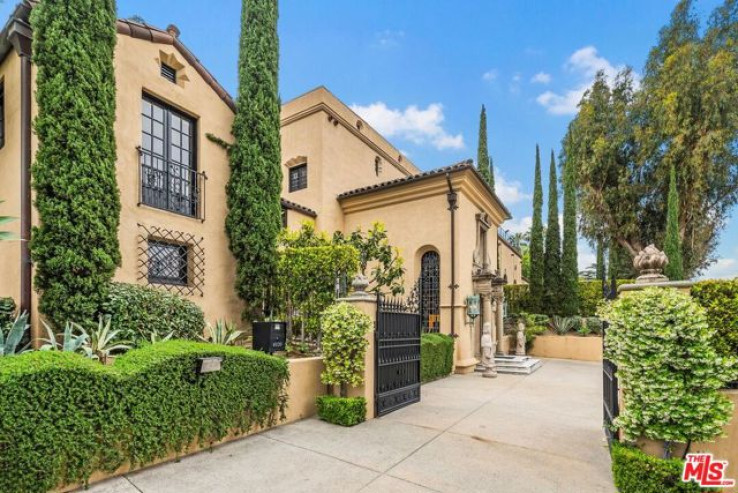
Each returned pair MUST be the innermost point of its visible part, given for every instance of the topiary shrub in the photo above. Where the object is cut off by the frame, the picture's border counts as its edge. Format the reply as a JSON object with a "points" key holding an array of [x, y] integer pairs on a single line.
{"points": [[635, 472], [667, 369], [720, 301], [344, 411], [436, 356], [63, 416], [344, 345], [138, 311]]}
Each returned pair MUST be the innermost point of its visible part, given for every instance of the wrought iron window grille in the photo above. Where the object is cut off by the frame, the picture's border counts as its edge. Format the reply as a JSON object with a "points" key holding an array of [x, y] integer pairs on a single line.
{"points": [[171, 259], [430, 291], [298, 177]]}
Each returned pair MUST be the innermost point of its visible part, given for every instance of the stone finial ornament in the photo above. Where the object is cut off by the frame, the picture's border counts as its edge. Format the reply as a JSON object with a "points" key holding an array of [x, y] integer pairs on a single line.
{"points": [[173, 31], [650, 263]]}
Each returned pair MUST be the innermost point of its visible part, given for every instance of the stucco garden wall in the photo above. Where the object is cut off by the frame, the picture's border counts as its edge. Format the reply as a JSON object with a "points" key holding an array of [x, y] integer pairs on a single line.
{"points": [[587, 348]]}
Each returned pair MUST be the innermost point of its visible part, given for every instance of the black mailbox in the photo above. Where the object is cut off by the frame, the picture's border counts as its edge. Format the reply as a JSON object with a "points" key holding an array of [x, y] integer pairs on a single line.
{"points": [[270, 336]]}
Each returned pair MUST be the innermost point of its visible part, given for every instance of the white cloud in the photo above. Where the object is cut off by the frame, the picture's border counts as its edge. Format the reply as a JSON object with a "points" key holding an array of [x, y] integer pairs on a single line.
{"points": [[515, 83], [388, 39], [509, 191], [724, 268], [521, 225], [541, 78], [417, 125], [584, 63], [489, 75]]}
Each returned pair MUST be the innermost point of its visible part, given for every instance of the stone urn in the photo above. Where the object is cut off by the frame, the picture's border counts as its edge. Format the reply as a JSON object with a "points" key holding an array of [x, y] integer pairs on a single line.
{"points": [[650, 263]]}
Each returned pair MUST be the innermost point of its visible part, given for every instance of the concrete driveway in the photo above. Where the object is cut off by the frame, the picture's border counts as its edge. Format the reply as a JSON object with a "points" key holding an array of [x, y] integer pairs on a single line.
{"points": [[537, 433]]}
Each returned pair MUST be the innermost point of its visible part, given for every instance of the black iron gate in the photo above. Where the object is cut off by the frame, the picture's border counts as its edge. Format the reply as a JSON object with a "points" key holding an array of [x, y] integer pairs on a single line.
{"points": [[610, 405], [397, 355]]}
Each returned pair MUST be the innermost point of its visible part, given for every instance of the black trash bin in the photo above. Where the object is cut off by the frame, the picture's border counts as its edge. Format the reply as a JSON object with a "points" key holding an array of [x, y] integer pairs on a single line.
{"points": [[270, 336]]}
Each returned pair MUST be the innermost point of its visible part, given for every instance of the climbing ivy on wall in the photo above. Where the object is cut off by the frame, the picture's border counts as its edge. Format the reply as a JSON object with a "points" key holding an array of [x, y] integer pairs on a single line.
{"points": [[75, 247]]}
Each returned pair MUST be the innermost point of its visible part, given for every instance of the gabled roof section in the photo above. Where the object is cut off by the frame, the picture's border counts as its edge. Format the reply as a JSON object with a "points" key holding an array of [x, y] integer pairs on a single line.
{"points": [[467, 165], [128, 28]]}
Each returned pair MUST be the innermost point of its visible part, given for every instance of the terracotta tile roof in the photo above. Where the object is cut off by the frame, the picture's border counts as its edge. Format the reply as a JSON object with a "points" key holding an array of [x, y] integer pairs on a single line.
{"points": [[297, 207], [454, 168]]}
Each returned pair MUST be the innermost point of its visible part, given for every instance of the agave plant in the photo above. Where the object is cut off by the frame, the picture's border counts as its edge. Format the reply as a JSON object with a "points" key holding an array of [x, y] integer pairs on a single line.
{"points": [[223, 333], [103, 340], [6, 235], [74, 339], [9, 342], [155, 338], [561, 325]]}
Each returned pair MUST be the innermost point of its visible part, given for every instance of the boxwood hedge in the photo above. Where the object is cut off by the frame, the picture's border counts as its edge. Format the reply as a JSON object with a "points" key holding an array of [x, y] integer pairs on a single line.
{"points": [[63, 416], [344, 411], [720, 300], [436, 356]]}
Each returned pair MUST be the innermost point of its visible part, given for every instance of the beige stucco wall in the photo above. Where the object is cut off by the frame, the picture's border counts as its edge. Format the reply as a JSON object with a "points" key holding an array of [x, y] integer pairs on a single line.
{"points": [[511, 264], [10, 177], [304, 387], [568, 347]]}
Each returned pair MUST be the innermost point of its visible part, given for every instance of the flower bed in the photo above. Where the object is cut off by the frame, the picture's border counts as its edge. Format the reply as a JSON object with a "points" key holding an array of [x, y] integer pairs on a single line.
{"points": [[63, 417]]}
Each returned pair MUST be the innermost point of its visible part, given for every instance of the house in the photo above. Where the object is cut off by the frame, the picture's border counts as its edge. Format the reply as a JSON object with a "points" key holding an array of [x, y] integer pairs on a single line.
{"points": [[338, 172]]}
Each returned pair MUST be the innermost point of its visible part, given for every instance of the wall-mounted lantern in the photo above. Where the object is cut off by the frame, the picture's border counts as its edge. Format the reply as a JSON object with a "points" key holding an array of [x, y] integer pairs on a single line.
{"points": [[472, 306]]}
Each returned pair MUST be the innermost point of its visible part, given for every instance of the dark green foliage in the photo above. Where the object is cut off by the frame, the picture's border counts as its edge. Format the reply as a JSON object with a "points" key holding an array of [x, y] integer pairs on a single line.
{"points": [[436, 356], [7, 311], [673, 244], [138, 311], [253, 191], [75, 247], [552, 256], [63, 416], [635, 472], [491, 174], [600, 262], [517, 297], [720, 299], [344, 411], [536, 241], [483, 161], [569, 264]]}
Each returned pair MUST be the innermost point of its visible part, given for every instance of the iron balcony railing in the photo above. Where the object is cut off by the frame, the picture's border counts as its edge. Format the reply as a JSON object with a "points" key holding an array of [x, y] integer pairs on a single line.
{"points": [[171, 186]]}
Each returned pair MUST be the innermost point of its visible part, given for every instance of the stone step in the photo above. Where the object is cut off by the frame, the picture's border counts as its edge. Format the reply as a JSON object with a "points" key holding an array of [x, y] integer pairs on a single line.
{"points": [[518, 365]]}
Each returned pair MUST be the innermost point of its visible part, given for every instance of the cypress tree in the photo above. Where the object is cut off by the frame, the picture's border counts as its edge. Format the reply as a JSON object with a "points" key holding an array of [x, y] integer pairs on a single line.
{"points": [[491, 174], [483, 162], [552, 257], [253, 191], [569, 267], [536, 241], [600, 262], [672, 244], [75, 246]]}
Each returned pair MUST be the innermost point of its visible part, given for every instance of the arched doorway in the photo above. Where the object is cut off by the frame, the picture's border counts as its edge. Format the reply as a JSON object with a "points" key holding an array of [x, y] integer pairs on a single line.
{"points": [[430, 292]]}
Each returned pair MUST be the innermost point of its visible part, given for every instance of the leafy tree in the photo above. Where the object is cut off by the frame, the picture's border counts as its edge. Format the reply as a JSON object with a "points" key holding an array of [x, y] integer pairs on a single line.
{"points": [[75, 246], [376, 253], [483, 161], [536, 241], [672, 244], [253, 191], [552, 256], [625, 140], [569, 264]]}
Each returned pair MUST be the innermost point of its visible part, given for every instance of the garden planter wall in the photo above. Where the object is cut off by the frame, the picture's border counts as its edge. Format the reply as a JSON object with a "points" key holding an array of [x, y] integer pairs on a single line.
{"points": [[581, 348]]}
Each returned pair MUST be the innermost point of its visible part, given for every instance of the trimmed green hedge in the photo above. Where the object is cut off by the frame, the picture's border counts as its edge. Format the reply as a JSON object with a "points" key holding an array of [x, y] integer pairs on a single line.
{"points": [[720, 299], [635, 472], [63, 416], [344, 411], [137, 311], [7, 311], [436, 356], [590, 295]]}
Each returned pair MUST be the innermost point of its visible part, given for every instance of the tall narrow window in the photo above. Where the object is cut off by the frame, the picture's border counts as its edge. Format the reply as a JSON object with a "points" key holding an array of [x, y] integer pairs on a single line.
{"points": [[430, 292], [2, 115], [298, 177], [169, 178]]}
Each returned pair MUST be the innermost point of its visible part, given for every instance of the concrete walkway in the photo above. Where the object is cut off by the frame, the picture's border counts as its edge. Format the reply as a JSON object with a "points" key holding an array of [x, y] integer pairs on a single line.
{"points": [[540, 433]]}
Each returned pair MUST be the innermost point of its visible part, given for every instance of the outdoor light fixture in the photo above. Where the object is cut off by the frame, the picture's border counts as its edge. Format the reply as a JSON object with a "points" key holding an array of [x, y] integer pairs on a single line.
{"points": [[209, 364], [472, 306]]}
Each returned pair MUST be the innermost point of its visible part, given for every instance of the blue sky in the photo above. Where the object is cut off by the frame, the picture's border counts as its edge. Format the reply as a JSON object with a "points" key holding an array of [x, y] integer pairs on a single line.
{"points": [[420, 70]]}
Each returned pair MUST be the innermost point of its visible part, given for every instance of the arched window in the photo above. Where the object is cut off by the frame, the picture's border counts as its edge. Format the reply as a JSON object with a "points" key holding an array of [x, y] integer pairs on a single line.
{"points": [[430, 291]]}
